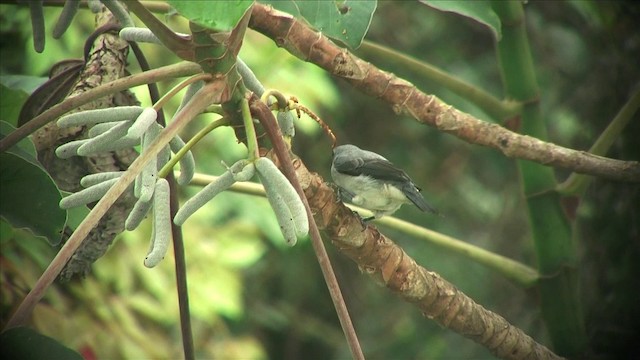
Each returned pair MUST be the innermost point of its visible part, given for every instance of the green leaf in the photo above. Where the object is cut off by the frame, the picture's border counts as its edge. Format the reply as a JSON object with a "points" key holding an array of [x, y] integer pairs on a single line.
{"points": [[30, 198], [26, 83], [29, 195], [346, 21], [25, 343], [217, 15], [478, 10], [11, 104], [25, 148]]}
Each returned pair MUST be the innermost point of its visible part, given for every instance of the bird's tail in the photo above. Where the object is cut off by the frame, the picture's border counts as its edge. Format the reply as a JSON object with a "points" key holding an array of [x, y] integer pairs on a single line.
{"points": [[412, 192]]}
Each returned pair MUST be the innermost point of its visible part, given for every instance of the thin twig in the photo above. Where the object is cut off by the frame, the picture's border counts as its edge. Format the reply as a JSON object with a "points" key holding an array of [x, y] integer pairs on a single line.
{"points": [[265, 116]]}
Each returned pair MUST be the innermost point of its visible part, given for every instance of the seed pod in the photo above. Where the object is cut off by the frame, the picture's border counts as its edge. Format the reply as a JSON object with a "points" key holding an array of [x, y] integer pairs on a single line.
{"points": [[119, 12], [142, 35], [163, 157], [209, 192], [137, 214], [109, 141], [191, 90], [102, 128], [94, 5], [92, 117], [139, 35], [285, 122], [142, 123], [66, 16], [161, 236], [249, 78], [187, 162], [88, 195], [283, 214], [37, 25], [149, 174], [94, 179], [274, 180], [70, 149], [246, 173]]}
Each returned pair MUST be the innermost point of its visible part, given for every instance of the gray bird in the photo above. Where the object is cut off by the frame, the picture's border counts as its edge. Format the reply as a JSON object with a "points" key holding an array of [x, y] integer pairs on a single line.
{"points": [[368, 180]]}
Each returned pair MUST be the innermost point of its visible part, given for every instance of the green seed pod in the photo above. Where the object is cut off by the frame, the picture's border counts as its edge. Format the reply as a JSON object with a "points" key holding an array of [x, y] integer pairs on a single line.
{"points": [[149, 174], [274, 180], [191, 90], [119, 12], [94, 179], [142, 35], [283, 214], [70, 149], [109, 141], [249, 78], [161, 224], [285, 122], [88, 195], [142, 123], [209, 192], [246, 173], [163, 157], [66, 16], [102, 128], [97, 116], [37, 25], [137, 214], [94, 5], [187, 162], [139, 35]]}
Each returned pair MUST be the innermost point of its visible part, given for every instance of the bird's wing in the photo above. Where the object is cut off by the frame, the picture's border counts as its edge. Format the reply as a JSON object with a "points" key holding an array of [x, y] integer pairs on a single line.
{"points": [[382, 169], [379, 169]]}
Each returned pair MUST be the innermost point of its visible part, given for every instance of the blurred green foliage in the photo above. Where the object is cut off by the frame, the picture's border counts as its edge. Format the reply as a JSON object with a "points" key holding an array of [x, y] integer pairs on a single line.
{"points": [[253, 298]]}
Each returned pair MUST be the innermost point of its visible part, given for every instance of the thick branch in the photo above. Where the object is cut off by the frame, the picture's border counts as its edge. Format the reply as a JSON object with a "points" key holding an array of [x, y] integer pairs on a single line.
{"points": [[405, 98], [436, 298]]}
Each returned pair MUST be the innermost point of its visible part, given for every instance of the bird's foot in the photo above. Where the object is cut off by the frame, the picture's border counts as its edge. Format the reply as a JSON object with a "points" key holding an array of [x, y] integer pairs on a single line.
{"points": [[363, 221]]}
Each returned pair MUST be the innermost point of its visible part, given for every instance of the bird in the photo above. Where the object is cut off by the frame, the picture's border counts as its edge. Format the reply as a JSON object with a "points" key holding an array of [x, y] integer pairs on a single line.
{"points": [[369, 180]]}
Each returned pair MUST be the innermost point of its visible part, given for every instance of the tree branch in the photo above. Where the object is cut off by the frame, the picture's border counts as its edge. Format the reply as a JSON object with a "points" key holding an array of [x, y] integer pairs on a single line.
{"points": [[436, 298], [405, 98]]}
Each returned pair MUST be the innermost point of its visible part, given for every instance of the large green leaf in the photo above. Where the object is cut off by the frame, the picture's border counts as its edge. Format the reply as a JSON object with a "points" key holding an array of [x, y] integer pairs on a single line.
{"points": [[29, 195], [346, 21], [478, 10], [25, 343], [11, 103], [216, 15]]}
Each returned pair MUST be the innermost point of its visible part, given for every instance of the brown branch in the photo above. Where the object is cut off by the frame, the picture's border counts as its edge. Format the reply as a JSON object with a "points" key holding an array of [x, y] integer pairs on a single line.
{"points": [[309, 45], [436, 298]]}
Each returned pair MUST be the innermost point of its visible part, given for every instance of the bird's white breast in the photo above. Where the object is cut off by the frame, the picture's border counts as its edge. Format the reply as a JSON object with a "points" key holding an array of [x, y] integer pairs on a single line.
{"points": [[371, 194]]}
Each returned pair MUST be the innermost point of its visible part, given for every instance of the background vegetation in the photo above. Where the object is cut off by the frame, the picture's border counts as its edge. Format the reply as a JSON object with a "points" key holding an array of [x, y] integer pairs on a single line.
{"points": [[252, 297]]}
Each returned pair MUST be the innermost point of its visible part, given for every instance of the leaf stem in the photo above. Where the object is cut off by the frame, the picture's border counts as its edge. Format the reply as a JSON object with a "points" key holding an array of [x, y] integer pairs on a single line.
{"points": [[176, 89], [576, 184], [250, 130], [166, 169]]}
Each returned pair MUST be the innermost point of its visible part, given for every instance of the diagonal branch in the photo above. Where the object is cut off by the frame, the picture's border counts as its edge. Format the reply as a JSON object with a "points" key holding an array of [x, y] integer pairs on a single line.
{"points": [[263, 113], [437, 299], [309, 45]]}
